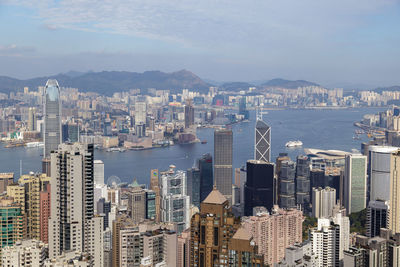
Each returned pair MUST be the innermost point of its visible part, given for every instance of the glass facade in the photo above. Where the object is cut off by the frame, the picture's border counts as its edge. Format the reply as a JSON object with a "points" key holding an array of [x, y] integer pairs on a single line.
{"points": [[52, 117], [259, 187]]}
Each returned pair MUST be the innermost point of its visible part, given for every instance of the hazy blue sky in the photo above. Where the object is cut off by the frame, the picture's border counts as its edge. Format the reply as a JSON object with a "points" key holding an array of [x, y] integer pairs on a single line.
{"points": [[333, 42]]}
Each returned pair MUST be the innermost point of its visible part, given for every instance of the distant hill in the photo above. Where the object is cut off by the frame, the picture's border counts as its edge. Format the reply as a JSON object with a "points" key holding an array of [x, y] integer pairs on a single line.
{"points": [[282, 83], [236, 86], [108, 82]]}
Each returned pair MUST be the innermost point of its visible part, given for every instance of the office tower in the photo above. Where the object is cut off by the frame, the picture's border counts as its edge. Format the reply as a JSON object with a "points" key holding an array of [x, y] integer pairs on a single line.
{"points": [[325, 242], [211, 230], [200, 180], [154, 186], [243, 250], [184, 249], [262, 142], [355, 183], [394, 213], [45, 207], [150, 204], [137, 202], [223, 143], [72, 225], [140, 112], [275, 231], [379, 171], [107, 128], [24, 253], [193, 185], [12, 221], [175, 203], [6, 178], [52, 118], [303, 182], [32, 119], [279, 159], [377, 217], [98, 172], [70, 132], [259, 187], [104, 209], [27, 192], [323, 202], [286, 185], [205, 165], [242, 108], [189, 114]]}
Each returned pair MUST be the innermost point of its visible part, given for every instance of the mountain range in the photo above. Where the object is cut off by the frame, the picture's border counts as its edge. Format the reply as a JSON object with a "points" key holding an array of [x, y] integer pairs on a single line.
{"points": [[108, 82]]}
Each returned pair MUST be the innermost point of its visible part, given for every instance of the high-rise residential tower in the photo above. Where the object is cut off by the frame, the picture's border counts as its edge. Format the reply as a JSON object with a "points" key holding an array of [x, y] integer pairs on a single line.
{"points": [[32, 119], [189, 114], [72, 224], [52, 118], [323, 202], [262, 145], [223, 143], [259, 187], [355, 183]]}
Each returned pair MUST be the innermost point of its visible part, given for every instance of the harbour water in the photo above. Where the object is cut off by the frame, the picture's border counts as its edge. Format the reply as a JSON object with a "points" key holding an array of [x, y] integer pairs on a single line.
{"points": [[325, 129]]}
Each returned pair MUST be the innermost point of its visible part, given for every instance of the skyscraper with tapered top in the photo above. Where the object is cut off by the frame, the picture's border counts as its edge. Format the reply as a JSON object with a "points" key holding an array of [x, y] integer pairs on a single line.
{"points": [[262, 144], [52, 117]]}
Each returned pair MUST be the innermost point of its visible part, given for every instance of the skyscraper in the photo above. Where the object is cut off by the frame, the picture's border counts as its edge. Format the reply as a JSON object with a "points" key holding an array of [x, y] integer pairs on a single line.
{"points": [[323, 202], [32, 119], [325, 242], [189, 114], [52, 118], [303, 182], [98, 172], [394, 214], [262, 145], [355, 183], [379, 172], [175, 203], [377, 217], [72, 224], [211, 230], [154, 185], [223, 143], [259, 187], [286, 185], [200, 180]]}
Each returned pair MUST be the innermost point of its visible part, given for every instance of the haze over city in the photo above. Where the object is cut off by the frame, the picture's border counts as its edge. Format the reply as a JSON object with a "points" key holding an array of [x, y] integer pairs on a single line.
{"points": [[349, 44]]}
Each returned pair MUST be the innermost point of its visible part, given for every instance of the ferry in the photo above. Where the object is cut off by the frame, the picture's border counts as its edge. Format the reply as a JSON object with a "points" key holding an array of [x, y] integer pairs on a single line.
{"points": [[34, 144], [204, 142], [294, 143]]}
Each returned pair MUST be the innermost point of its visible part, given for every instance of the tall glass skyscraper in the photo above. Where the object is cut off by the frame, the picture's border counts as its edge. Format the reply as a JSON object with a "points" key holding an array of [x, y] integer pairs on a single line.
{"points": [[223, 142], [262, 145], [52, 117], [259, 187]]}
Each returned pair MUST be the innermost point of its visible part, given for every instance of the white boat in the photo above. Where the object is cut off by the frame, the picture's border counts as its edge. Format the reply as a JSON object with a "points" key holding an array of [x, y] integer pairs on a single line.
{"points": [[34, 144], [294, 143]]}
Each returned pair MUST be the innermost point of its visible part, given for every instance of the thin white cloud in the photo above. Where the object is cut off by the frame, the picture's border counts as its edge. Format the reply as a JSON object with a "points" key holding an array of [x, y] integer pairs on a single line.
{"points": [[193, 22]]}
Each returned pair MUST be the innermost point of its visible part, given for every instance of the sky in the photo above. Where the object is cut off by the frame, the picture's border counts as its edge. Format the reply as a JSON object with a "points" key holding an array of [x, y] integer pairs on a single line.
{"points": [[337, 43]]}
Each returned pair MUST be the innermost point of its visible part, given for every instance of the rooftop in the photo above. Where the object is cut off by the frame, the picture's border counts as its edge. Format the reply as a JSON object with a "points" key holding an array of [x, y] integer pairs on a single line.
{"points": [[215, 197]]}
